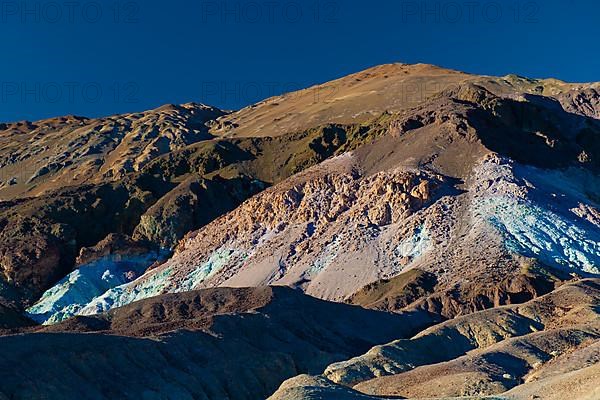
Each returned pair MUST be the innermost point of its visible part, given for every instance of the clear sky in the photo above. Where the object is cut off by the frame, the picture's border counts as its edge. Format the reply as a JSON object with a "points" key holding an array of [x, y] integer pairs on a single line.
{"points": [[96, 58]]}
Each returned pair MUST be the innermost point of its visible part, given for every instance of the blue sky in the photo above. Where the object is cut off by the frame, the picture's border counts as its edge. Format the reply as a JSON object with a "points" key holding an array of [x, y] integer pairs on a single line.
{"points": [[98, 58]]}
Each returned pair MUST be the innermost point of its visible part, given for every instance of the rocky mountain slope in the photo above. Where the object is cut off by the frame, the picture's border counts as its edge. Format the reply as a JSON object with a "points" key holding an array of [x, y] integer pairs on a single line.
{"points": [[168, 196], [210, 344], [73, 150], [407, 189], [461, 187], [506, 352]]}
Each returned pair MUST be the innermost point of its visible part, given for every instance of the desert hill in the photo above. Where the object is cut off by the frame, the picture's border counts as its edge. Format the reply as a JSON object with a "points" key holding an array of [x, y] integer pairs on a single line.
{"points": [[411, 205]]}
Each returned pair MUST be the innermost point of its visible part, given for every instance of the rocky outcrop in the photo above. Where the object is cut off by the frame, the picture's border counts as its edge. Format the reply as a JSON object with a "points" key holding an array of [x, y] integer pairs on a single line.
{"points": [[419, 289], [396, 293], [113, 244], [192, 204], [583, 102]]}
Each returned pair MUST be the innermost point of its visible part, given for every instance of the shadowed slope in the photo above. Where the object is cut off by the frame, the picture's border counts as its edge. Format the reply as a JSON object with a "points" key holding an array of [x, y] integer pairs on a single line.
{"points": [[214, 344], [481, 354]]}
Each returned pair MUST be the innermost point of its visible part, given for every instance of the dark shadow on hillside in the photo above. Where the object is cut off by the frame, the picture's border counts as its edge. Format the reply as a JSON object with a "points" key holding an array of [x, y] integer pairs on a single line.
{"points": [[538, 132]]}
